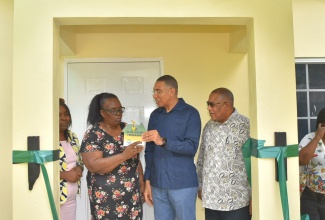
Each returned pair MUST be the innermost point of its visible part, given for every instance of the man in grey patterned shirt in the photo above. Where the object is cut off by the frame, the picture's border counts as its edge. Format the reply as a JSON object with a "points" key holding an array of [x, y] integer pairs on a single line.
{"points": [[223, 184]]}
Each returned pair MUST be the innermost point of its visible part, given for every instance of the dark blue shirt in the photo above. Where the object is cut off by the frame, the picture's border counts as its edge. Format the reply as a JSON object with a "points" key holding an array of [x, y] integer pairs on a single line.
{"points": [[172, 167]]}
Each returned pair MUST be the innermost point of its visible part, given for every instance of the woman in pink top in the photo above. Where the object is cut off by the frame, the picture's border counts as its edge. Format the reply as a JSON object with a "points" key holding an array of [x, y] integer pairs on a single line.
{"points": [[71, 165]]}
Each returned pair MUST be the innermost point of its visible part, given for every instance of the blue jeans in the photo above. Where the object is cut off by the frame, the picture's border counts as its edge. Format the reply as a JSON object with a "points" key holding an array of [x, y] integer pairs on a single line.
{"points": [[311, 205], [174, 203], [238, 214]]}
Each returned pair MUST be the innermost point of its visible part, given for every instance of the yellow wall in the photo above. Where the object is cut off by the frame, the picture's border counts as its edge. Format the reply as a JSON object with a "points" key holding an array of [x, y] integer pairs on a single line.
{"points": [[200, 60], [6, 38], [309, 28], [268, 98]]}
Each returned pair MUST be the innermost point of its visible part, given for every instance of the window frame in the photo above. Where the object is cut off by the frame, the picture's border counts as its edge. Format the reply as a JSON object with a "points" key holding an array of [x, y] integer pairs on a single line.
{"points": [[307, 90]]}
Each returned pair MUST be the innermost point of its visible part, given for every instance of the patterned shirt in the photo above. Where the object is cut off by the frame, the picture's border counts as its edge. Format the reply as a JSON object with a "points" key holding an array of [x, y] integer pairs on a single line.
{"points": [[313, 174], [74, 142], [220, 166]]}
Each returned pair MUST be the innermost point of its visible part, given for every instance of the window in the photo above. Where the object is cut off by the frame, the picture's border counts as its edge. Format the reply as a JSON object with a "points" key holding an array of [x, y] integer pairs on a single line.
{"points": [[310, 85]]}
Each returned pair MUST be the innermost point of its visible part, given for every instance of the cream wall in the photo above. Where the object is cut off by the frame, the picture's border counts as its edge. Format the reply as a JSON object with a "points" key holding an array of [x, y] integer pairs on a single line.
{"points": [[6, 38], [309, 28], [271, 104], [200, 60]]}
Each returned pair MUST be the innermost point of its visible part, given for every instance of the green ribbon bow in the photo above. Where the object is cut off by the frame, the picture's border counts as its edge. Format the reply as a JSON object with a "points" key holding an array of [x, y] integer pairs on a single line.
{"points": [[39, 157], [255, 148]]}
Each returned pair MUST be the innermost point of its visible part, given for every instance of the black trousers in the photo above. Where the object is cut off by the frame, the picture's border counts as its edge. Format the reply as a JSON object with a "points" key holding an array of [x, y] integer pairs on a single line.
{"points": [[313, 204], [238, 214]]}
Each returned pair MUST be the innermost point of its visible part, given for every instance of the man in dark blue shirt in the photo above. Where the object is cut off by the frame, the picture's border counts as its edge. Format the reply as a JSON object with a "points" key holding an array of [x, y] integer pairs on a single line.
{"points": [[172, 141]]}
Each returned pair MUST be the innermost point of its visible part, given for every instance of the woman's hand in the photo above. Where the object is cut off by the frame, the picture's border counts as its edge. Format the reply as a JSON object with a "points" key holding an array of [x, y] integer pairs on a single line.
{"points": [[320, 133], [132, 150], [142, 186], [307, 152], [72, 175], [79, 170], [96, 163]]}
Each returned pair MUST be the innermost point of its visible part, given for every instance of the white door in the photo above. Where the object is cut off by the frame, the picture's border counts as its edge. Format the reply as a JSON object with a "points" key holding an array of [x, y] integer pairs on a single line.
{"points": [[132, 80]]}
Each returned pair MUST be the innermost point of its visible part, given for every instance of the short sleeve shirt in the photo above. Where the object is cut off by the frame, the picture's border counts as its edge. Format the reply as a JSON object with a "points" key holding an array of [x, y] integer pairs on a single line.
{"points": [[313, 174]]}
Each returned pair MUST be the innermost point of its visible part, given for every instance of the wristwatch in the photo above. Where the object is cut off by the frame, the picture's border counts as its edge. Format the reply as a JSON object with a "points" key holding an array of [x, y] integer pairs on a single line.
{"points": [[164, 140]]}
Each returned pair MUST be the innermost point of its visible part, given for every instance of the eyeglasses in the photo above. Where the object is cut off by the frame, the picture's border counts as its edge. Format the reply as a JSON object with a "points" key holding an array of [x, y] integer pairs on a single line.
{"points": [[115, 111], [214, 104], [158, 91]]}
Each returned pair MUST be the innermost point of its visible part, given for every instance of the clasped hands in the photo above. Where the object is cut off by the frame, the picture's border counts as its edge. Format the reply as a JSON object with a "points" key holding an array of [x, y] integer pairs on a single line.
{"points": [[73, 175]]}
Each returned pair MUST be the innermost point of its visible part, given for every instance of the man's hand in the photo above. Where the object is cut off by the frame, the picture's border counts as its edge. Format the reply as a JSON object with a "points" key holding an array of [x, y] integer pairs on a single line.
{"points": [[147, 193], [199, 194], [152, 135], [250, 207]]}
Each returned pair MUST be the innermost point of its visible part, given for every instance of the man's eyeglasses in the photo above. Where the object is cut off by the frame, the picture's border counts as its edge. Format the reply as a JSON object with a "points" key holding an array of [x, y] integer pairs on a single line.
{"points": [[158, 91], [214, 104], [115, 111]]}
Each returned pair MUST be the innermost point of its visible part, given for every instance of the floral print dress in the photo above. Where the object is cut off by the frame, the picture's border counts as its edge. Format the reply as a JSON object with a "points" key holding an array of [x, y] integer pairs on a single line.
{"points": [[114, 195]]}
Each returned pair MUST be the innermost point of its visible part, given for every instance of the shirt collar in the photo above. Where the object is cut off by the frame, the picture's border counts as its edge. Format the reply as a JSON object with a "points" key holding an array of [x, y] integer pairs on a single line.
{"points": [[180, 105], [235, 112]]}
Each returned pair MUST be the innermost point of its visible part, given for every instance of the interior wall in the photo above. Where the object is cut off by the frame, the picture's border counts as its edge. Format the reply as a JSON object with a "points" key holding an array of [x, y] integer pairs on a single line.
{"points": [[6, 39]]}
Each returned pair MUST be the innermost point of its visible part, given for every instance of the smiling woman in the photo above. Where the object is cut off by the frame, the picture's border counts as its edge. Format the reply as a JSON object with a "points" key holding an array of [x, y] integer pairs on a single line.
{"points": [[71, 165]]}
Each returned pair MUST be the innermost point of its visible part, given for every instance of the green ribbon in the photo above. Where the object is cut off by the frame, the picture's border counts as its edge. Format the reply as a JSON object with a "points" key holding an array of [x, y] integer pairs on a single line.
{"points": [[255, 148], [39, 157], [305, 217]]}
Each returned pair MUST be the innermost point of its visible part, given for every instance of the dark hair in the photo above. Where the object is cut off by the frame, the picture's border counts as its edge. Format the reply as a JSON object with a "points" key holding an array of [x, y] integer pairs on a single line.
{"points": [[320, 117], [96, 105], [169, 80], [225, 93], [62, 103]]}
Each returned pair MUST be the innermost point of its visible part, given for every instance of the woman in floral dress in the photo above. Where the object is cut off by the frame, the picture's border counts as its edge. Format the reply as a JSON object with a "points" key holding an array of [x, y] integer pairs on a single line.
{"points": [[115, 176], [312, 177]]}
